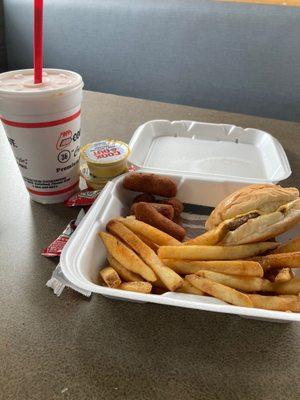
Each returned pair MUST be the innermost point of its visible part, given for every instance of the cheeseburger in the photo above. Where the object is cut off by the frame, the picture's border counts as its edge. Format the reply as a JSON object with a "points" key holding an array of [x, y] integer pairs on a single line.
{"points": [[255, 213]]}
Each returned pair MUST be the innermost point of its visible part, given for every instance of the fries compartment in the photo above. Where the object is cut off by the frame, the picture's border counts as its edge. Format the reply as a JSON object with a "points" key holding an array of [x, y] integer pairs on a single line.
{"points": [[85, 253]]}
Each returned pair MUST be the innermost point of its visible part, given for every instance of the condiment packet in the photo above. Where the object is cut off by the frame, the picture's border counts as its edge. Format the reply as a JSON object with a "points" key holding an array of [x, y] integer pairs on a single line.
{"points": [[58, 282], [55, 248], [85, 197]]}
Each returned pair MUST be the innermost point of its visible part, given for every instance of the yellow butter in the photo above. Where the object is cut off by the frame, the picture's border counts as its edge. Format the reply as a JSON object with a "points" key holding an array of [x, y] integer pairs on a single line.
{"points": [[92, 181]]}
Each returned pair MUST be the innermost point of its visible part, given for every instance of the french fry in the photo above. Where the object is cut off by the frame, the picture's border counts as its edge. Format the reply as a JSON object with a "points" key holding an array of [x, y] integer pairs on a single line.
{"points": [[220, 291], [110, 277], [127, 257], [277, 303], [140, 287], [169, 278], [124, 273], [283, 275], [235, 267], [209, 238], [196, 252], [264, 263], [279, 274], [281, 260], [290, 287], [288, 247], [187, 287], [148, 242], [244, 283], [148, 231]]}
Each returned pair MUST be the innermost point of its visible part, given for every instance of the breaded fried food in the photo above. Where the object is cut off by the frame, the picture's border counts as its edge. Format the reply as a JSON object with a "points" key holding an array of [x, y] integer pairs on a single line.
{"points": [[146, 213], [165, 209], [150, 183], [144, 197], [177, 206]]}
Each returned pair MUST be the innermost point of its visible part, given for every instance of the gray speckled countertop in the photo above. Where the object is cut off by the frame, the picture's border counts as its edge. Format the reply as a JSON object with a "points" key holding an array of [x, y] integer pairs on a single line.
{"points": [[77, 348]]}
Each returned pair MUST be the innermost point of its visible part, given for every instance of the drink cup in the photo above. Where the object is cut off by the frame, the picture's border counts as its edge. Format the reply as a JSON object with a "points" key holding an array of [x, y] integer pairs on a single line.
{"points": [[42, 124]]}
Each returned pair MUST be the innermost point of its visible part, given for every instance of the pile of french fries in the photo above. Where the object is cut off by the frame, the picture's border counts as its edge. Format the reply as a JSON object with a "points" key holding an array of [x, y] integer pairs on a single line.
{"points": [[144, 259]]}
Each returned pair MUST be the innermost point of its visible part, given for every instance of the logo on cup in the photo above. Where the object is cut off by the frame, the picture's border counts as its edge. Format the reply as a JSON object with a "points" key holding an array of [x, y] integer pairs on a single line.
{"points": [[65, 138]]}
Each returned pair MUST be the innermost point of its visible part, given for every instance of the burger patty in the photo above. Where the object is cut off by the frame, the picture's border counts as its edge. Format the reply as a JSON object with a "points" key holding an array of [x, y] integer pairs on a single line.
{"points": [[236, 223]]}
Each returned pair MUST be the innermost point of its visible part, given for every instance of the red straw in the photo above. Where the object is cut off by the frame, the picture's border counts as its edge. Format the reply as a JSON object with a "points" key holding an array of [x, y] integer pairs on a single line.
{"points": [[38, 41]]}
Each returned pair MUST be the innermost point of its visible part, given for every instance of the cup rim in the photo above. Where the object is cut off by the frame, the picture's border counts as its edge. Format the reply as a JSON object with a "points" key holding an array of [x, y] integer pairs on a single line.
{"points": [[77, 84]]}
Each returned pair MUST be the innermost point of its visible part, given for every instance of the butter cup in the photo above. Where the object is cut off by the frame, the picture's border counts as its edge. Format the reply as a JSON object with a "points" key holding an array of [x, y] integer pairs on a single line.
{"points": [[92, 181], [107, 158]]}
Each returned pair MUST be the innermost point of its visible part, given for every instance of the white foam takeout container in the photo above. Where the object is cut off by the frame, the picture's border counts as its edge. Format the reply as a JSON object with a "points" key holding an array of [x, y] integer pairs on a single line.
{"points": [[208, 162]]}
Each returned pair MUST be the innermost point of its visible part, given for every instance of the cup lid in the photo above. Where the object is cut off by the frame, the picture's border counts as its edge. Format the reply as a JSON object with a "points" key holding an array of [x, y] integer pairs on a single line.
{"points": [[20, 83]]}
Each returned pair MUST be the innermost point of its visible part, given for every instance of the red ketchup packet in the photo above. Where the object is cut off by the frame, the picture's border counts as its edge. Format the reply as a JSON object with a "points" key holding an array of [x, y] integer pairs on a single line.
{"points": [[55, 248], [83, 198]]}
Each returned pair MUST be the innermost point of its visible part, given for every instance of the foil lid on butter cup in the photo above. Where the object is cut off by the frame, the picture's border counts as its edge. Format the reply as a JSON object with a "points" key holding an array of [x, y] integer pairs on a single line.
{"points": [[107, 151]]}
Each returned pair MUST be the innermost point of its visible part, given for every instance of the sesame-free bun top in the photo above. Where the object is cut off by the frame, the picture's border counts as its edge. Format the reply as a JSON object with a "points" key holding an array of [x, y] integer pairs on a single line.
{"points": [[263, 198]]}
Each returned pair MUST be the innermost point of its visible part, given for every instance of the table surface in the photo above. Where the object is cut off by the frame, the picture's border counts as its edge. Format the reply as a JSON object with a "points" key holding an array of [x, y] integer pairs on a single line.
{"points": [[77, 348]]}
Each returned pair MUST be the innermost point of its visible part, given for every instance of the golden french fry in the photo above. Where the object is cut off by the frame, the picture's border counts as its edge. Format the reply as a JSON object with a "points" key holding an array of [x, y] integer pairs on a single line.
{"points": [[110, 277], [126, 257], [210, 238], [140, 287], [271, 261], [215, 252], [187, 287], [124, 273], [148, 242], [288, 247], [284, 275], [244, 283], [289, 287], [276, 303], [279, 274], [148, 231], [169, 278], [234, 267], [220, 291], [262, 260]]}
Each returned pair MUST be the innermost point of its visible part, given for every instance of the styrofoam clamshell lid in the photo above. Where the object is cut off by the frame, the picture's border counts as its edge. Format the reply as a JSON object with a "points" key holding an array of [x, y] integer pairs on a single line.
{"points": [[220, 151]]}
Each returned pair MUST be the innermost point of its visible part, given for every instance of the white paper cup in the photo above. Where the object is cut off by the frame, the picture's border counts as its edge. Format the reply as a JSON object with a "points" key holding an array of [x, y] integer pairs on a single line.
{"points": [[42, 124]]}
